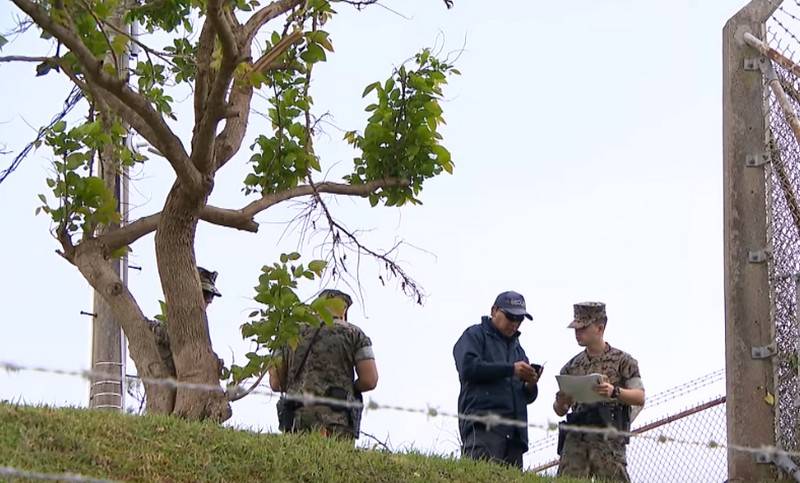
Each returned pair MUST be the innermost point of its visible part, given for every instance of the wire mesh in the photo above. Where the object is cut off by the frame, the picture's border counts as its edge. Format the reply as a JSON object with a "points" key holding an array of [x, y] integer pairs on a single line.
{"points": [[783, 185], [676, 417], [649, 460]]}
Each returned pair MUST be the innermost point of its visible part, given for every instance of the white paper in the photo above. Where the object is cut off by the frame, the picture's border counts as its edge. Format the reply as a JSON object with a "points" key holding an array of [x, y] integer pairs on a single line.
{"points": [[581, 388]]}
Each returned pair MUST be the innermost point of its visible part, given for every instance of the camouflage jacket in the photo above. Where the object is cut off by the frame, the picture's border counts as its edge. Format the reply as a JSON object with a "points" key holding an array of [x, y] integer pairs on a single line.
{"points": [[165, 352], [332, 359], [618, 366], [162, 342]]}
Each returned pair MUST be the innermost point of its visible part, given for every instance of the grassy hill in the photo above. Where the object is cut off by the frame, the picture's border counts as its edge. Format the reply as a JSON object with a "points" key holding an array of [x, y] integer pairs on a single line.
{"points": [[113, 446]]}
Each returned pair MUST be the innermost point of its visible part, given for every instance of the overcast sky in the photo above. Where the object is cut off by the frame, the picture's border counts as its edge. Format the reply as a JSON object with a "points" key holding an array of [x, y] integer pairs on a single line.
{"points": [[587, 143]]}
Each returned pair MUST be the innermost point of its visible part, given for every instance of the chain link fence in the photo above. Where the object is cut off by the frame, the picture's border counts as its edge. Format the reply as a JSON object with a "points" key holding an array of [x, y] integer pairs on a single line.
{"points": [[672, 415], [650, 460], [783, 217]]}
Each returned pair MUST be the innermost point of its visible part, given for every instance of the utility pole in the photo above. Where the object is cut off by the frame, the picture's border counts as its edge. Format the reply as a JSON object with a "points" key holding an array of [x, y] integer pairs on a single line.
{"points": [[749, 329], [109, 352]]}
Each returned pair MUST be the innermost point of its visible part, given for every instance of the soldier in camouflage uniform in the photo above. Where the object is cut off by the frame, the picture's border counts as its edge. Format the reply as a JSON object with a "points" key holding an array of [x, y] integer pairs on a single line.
{"points": [[207, 279], [586, 455], [335, 351]]}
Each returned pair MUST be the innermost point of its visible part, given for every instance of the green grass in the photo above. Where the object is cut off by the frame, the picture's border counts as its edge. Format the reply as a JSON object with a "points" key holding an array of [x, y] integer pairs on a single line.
{"points": [[113, 446]]}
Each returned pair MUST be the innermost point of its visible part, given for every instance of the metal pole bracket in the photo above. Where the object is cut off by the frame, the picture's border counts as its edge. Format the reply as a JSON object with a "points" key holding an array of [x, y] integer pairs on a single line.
{"points": [[758, 256], [779, 459], [764, 352], [763, 457], [757, 160], [751, 63]]}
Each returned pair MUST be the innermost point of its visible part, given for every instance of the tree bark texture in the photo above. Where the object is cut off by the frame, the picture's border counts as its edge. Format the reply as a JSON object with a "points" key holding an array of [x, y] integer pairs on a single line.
{"points": [[187, 325]]}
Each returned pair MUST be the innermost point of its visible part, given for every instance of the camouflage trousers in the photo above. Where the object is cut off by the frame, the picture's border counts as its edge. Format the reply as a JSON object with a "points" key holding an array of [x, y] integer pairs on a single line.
{"points": [[585, 456], [323, 420]]}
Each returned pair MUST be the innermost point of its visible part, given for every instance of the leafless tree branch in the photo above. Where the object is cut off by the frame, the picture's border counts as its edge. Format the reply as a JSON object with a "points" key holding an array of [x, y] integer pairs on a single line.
{"points": [[327, 187], [268, 59], [204, 137], [203, 77], [269, 12], [23, 58], [241, 219], [337, 231]]}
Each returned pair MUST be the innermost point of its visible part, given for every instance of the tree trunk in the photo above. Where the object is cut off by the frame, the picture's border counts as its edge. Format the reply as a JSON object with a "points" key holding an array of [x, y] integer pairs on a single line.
{"points": [[187, 326], [89, 259]]}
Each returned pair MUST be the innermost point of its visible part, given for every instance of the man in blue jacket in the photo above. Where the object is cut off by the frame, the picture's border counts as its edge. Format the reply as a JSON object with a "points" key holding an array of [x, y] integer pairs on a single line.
{"points": [[497, 379]]}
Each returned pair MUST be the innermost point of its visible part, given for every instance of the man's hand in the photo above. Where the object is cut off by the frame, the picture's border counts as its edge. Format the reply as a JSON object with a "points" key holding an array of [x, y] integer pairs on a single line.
{"points": [[563, 403], [564, 400], [526, 372], [604, 389]]}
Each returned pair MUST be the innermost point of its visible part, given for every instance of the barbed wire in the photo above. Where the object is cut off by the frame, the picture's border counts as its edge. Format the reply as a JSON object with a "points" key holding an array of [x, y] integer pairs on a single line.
{"points": [[777, 37], [683, 389], [34, 475], [490, 420]]}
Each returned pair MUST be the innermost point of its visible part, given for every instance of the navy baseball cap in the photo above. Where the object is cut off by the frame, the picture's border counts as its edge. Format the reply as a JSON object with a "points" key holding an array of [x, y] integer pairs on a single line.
{"points": [[512, 303]]}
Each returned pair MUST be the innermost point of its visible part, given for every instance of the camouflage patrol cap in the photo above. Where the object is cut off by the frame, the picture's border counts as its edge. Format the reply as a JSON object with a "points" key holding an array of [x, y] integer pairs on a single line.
{"points": [[587, 313], [207, 279], [331, 293]]}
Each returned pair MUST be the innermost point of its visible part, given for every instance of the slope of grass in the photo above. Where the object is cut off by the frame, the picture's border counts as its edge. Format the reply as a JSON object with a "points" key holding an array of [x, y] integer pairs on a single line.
{"points": [[113, 446]]}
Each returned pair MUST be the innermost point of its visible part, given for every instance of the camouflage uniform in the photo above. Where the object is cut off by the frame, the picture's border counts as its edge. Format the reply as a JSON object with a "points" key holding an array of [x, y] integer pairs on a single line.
{"points": [[159, 328], [328, 372], [587, 455], [162, 343]]}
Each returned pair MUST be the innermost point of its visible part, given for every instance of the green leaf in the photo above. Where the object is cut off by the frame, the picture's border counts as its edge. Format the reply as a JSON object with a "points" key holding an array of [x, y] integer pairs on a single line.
{"points": [[297, 130], [43, 68], [59, 126], [119, 44], [75, 160], [369, 89], [313, 54], [120, 252], [326, 44], [320, 37], [317, 266]]}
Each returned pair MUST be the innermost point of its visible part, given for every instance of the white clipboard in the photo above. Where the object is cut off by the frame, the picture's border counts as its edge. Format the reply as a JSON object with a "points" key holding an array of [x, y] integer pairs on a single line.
{"points": [[581, 388]]}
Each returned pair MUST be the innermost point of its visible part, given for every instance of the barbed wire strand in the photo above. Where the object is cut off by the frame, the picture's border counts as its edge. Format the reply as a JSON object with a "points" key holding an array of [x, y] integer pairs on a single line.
{"points": [[656, 400], [490, 420]]}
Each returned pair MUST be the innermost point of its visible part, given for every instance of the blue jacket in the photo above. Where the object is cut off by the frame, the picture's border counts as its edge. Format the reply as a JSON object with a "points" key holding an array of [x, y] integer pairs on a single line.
{"points": [[485, 362]]}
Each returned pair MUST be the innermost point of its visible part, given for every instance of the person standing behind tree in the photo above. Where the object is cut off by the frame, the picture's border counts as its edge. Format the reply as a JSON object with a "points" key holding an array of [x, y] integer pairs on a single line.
{"points": [[496, 378], [207, 280]]}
